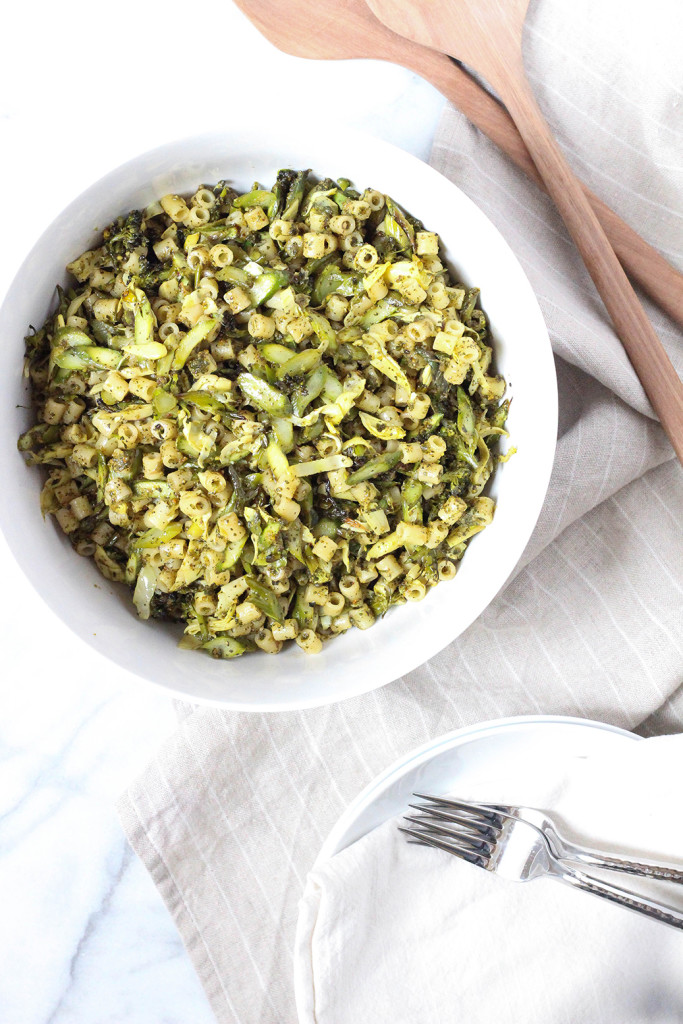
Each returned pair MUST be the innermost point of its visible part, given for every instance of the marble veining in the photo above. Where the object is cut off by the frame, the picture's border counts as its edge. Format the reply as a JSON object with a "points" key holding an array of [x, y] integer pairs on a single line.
{"points": [[84, 935]]}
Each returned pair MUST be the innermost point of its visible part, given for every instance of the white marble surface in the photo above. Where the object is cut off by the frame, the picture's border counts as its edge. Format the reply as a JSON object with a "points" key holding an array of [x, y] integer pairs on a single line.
{"points": [[84, 937]]}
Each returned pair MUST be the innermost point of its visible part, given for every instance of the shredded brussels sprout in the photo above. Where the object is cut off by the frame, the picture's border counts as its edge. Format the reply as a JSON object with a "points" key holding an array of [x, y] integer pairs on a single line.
{"points": [[272, 414]]}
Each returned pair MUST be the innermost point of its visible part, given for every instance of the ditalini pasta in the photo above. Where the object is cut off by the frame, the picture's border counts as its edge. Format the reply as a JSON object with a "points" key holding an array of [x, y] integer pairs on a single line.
{"points": [[271, 414]]}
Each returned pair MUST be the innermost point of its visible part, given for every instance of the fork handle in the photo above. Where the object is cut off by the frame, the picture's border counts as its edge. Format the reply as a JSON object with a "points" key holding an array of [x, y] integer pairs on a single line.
{"points": [[641, 904], [642, 868]]}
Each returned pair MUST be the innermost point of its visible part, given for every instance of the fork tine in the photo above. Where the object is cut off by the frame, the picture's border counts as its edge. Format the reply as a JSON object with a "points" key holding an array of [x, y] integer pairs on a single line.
{"points": [[486, 828], [463, 832], [474, 842], [450, 828], [482, 811], [456, 851]]}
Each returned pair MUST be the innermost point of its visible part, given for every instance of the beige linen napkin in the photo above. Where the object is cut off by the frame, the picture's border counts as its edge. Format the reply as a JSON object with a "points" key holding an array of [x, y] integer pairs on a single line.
{"points": [[230, 814], [393, 932]]}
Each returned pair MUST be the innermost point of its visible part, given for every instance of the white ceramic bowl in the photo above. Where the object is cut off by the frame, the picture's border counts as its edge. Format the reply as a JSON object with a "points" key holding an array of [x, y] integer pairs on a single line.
{"points": [[102, 614]]}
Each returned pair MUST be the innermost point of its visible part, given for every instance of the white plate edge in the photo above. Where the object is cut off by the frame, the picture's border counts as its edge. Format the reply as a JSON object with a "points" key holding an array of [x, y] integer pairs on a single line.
{"points": [[423, 753]]}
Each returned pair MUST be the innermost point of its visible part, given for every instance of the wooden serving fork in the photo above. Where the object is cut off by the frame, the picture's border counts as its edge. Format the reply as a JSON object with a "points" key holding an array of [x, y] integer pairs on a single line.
{"points": [[487, 36]]}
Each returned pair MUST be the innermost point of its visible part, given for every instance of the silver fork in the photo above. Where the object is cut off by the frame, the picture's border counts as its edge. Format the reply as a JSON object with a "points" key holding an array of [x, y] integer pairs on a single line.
{"points": [[560, 847], [517, 851]]}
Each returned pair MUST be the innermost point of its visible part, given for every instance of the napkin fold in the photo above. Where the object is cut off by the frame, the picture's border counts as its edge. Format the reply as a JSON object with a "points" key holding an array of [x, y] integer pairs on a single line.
{"points": [[232, 811], [395, 932]]}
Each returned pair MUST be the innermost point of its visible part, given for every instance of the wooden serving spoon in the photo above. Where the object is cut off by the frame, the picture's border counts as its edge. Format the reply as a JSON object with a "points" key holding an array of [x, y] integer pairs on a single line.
{"points": [[346, 29], [487, 36]]}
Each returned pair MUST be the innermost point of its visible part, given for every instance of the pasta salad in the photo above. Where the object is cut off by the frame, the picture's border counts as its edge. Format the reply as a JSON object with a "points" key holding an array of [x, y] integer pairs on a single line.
{"points": [[272, 414]]}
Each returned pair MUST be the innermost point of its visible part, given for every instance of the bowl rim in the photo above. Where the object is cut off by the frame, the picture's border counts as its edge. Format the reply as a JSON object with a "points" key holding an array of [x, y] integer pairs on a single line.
{"points": [[356, 139]]}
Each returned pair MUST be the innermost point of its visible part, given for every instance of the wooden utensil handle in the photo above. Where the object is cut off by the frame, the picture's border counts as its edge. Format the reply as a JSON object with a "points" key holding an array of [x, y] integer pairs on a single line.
{"points": [[641, 261], [644, 349]]}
